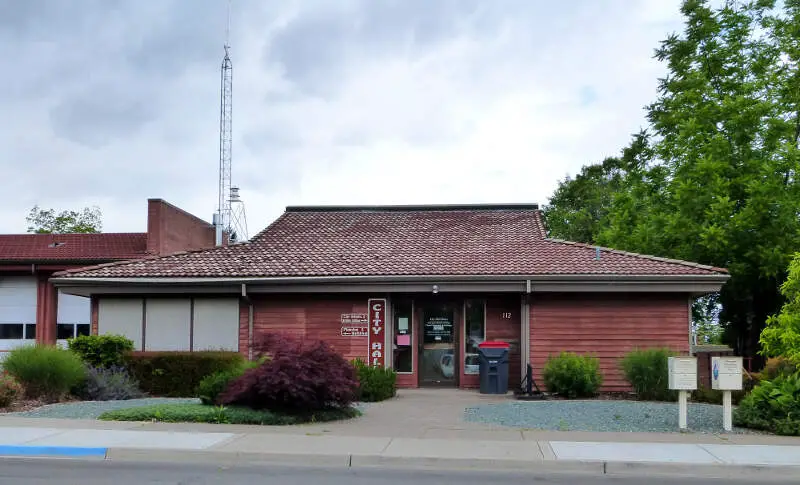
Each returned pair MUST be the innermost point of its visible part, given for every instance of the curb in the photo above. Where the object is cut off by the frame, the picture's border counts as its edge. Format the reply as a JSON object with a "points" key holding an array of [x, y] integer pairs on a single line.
{"points": [[346, 460], [53, 451]]}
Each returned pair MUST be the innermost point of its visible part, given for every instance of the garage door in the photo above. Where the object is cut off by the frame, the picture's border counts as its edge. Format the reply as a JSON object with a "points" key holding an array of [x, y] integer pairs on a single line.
{"points": [[17, 311], [74, 317]]}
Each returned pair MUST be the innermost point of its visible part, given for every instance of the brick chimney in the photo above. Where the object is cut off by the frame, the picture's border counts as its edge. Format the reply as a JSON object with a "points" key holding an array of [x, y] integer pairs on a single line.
{"points": [[171, 229]]}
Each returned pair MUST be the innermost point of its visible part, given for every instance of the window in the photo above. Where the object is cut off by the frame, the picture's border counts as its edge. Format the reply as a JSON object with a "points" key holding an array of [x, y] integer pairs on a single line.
{"points": [[12, 331], [70, 330], [403, 338], [475, 333], [17, 331]]}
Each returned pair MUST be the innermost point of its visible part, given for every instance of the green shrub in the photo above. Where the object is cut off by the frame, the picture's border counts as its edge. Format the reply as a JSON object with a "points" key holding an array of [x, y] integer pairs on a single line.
{"points": [[374, 383], [177, 374], [199, 413], [45, 372], [714, 396], [647, 371], [212, 386], [571, 375], [772, 406], [778, 366], [10, 390], [108, 384], [103, 351]]}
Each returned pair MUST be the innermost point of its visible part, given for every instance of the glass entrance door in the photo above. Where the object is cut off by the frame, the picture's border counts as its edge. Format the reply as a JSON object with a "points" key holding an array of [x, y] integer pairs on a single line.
{"points": [[437, 365]]}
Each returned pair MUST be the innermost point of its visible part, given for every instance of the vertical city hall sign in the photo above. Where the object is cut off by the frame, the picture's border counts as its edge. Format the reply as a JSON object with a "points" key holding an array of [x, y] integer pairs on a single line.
{"points": [[377, 331]]}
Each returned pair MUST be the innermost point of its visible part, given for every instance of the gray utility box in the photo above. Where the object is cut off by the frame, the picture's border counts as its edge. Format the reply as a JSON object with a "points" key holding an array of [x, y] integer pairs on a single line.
{"points": [[493, 362]]}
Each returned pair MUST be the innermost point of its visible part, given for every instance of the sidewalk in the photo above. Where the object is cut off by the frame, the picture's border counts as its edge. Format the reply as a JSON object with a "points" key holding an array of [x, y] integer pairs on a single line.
{"points": [[593, 453]]}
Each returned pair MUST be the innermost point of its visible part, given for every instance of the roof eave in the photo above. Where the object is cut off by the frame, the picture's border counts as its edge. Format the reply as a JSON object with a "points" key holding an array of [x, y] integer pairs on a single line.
{"points": [[533, 279]]}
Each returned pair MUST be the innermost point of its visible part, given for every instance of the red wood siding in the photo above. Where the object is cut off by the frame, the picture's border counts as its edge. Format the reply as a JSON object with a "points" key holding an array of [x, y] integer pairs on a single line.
{"points": [[507, 330], [607, 325], [318, 318]]}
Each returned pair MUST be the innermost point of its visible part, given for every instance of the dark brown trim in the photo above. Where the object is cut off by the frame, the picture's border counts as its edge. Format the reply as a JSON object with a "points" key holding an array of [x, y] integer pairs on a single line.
{"points": [[410, 208]]}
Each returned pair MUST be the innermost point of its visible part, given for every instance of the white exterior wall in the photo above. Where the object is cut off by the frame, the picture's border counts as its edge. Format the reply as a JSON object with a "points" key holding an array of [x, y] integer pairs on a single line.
{"points": [[168, 324], [122, 317], [17, 306], [216, 324]]}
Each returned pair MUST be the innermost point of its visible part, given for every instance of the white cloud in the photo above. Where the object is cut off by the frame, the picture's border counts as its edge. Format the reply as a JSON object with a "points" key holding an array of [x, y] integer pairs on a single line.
{"points": [[489, 105]]}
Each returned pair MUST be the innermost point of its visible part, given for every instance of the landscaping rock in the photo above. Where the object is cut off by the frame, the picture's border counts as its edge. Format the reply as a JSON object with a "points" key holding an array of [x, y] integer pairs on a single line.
{"points": [[615, 416]]}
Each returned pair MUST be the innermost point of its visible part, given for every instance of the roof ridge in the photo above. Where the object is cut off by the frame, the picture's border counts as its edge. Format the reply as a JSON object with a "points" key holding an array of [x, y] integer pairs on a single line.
{"points": [[412, 207], [540, 223], [638, 255]]}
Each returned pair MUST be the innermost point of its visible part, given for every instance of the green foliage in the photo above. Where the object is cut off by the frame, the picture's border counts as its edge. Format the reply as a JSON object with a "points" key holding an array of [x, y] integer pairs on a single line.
{"points": [[107, 384], [212, 386], [717, 182], [199, 413], [714, 396], [48, 221], [572, 376], [778, 366], [46, 372], [10, 390], [772, 406], [101, 350], [177, 374], [781, 337], [374, 383], [647, 371]]}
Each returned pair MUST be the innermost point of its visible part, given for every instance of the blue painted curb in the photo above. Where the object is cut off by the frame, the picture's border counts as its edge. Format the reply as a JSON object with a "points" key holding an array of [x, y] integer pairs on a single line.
{"points": [[12, 450]]}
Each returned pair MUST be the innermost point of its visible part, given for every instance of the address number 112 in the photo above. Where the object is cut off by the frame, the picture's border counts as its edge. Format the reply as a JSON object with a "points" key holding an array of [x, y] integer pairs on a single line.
{"points": [[505, 315]]}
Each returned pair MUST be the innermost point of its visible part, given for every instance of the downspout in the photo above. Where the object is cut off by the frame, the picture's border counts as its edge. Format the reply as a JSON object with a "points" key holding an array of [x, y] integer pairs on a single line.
{"points": [[525, 357], [247, 299]]}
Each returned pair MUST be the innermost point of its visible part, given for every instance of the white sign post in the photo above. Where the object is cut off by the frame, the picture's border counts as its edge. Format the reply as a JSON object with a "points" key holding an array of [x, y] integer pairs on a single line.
{"points": [[683, 378], [726, 376]]}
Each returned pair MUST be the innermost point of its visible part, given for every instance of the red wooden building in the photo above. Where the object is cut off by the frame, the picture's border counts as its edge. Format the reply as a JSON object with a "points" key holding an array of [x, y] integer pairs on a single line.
{"points": [[32, 310], [451, 277]]}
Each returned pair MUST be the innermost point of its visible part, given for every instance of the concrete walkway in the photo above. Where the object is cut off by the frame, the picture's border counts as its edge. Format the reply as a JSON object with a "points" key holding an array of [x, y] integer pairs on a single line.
{"points": [[247, 445], [419, 429]]}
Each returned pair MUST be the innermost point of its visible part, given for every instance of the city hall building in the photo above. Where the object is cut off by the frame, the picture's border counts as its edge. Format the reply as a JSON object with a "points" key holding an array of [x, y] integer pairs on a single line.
{"points": [[413, 288]]}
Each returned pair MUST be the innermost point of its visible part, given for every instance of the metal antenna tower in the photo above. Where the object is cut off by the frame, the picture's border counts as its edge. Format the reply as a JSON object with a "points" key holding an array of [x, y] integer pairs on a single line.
{"points": [[229, 220]]}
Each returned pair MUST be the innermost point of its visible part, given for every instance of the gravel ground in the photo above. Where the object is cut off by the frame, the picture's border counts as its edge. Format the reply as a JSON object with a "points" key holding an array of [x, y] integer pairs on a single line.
{"points": [[619, 416], [93, 409]]}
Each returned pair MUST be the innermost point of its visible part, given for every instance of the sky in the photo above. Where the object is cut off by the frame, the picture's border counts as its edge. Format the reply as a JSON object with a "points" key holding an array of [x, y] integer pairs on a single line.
{"points": [[346, 102]]}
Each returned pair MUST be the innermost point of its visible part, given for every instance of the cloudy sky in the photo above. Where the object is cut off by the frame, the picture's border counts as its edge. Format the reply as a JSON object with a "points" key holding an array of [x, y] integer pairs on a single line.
{"points": [[109, 102]]}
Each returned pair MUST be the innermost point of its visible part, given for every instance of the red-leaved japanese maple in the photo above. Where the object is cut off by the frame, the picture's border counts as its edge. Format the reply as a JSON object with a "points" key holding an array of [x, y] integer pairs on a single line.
{"points": [[299, 376]]}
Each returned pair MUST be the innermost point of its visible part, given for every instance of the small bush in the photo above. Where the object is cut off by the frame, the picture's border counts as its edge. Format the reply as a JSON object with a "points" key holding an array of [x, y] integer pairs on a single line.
{"points": [[778, 366], [199, 413], [177, 374], [212, 386], [374, 383], [772, 406], [10, 390], [300, 377], [108, 384], [572, 376], [647, 371], [45, 372], [104, 351]]}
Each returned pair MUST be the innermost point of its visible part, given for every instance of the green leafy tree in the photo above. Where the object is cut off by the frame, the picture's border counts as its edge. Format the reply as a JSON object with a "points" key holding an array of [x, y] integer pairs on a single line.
{"points": [[48, 221], [580, 205], [722, 187], [781, 337]]}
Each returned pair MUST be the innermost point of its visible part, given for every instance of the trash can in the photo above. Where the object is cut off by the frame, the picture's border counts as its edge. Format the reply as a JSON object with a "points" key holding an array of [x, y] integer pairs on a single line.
{"points": [[493, 362]]}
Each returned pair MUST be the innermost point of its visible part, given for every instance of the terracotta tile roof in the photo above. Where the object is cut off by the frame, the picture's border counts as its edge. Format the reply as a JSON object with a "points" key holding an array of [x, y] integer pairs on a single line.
{"points": [[33, 248], [387, 241]]}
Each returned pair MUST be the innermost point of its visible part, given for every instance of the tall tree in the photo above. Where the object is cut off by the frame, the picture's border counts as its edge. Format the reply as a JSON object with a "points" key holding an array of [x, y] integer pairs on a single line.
{"points": [[722, 188], [48, 221], [580, 205]]}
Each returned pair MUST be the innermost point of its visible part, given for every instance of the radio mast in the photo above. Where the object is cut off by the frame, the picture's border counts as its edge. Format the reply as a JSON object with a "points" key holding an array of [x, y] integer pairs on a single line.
{"points": [[230, 217]]}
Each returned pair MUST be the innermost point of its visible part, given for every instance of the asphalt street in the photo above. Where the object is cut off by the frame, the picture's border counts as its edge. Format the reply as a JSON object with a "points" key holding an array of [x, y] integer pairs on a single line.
{"points": [[74, 472]]}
